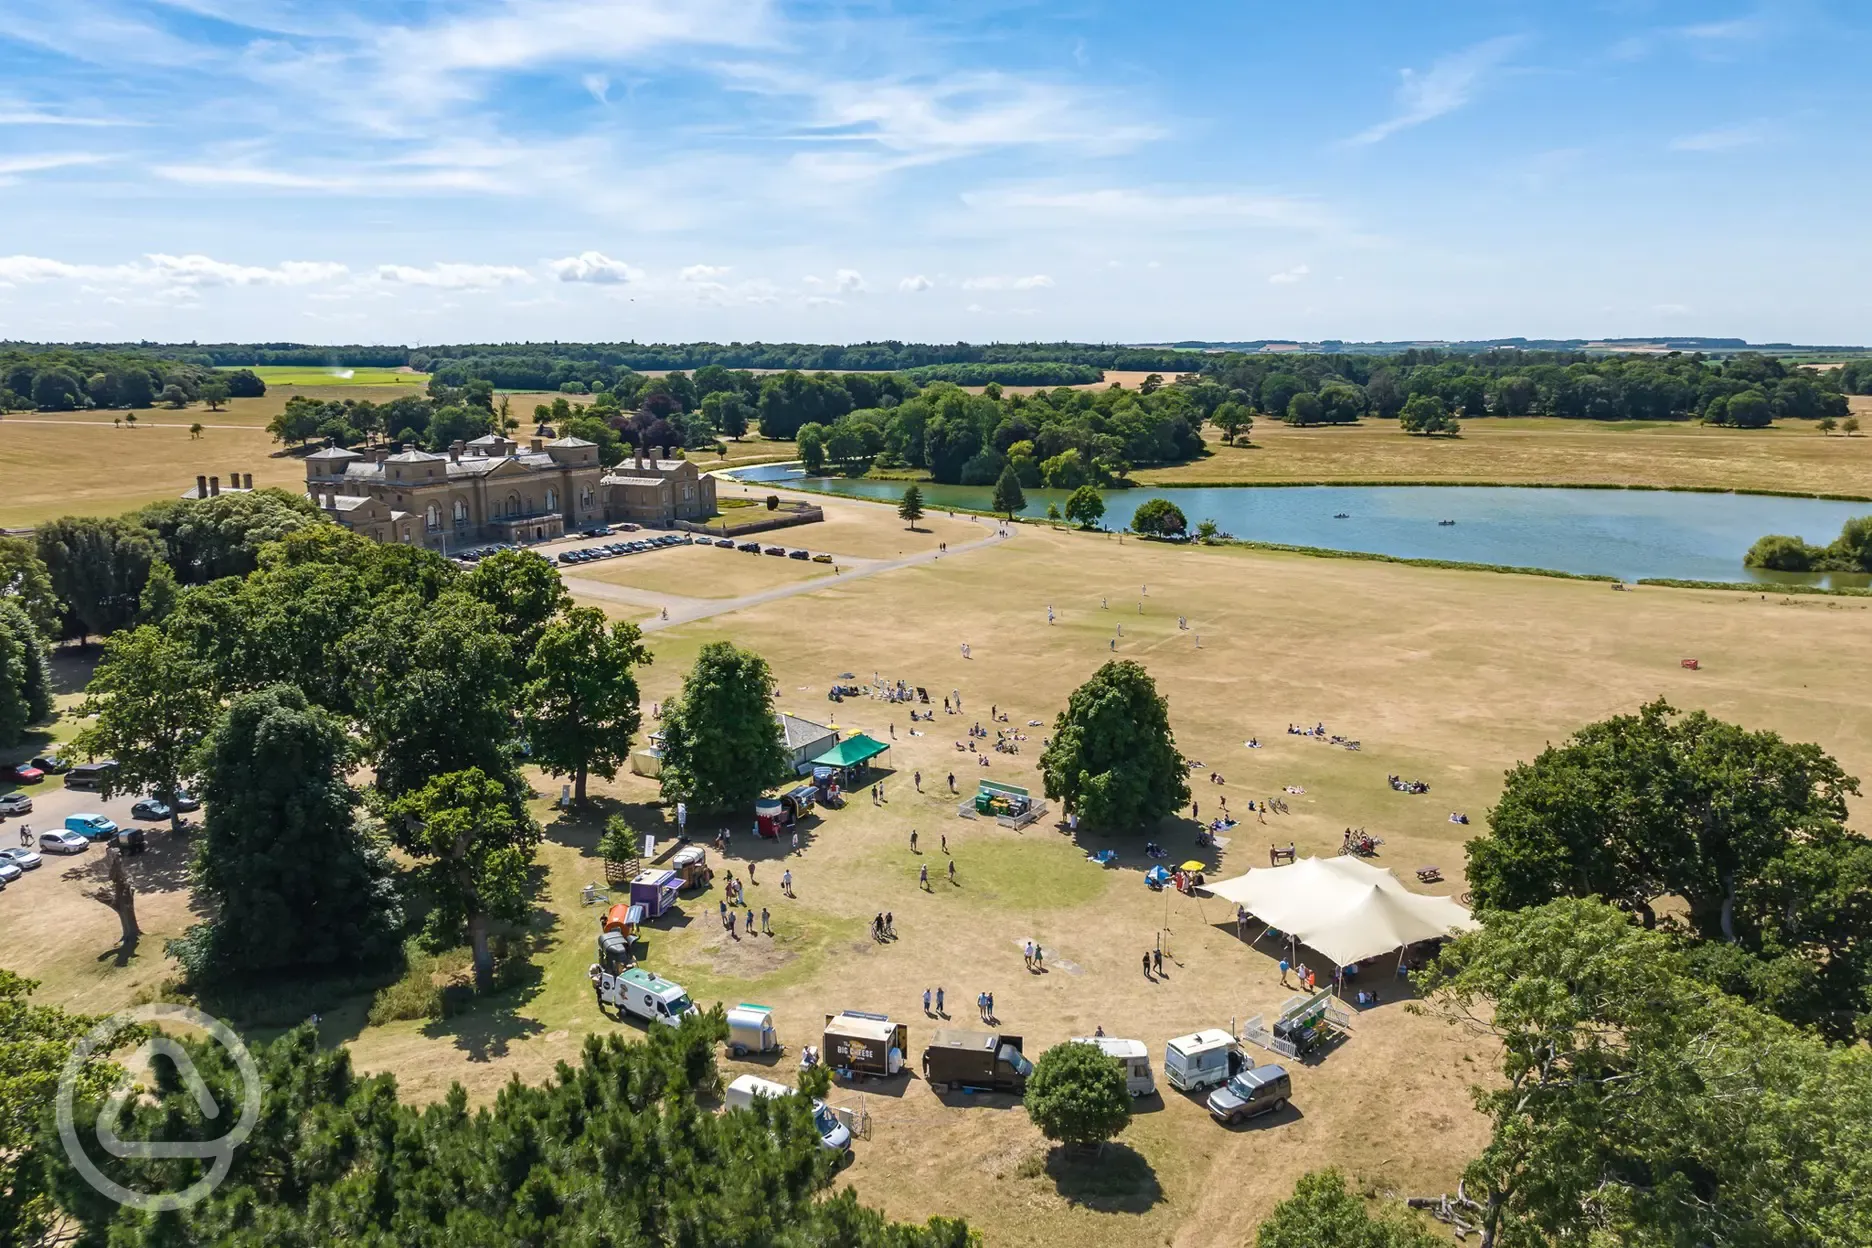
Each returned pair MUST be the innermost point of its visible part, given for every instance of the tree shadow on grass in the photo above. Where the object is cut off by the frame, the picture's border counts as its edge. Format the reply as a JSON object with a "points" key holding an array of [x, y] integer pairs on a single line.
{"points": [[580, 827], [1116, 1179], [72, 667], [1175, 835]]}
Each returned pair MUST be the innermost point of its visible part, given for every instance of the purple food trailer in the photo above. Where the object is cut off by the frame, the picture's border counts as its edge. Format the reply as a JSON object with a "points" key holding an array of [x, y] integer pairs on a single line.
{"points": [[655, 891]]}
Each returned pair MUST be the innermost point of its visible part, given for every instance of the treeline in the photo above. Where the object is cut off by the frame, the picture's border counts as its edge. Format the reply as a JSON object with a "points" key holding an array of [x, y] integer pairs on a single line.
{"points": [[1851, 551], [64, 380], [1009, 374], [1060, 438], [1746, 390]]}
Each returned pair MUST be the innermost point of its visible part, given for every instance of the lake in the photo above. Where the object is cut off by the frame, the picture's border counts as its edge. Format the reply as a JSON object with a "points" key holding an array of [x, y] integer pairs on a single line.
{"points": [[1624, 533]]}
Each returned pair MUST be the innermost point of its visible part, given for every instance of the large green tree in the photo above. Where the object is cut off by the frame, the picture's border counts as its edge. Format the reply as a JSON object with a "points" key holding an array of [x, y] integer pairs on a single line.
{"points": [[1159, 517], [97, 567], [474, 850], [206, 539], [1008, 497], [25, 676], [622, 1146], [524, 591], [149, 705], [1324, 1213], [1076, 1095], [293, 877], [580, 703], [1634, 1105], [722, 743], [1747, 829], [437, 691], [1113, 759], [25, 581], [910, 509], [1085, 507]]}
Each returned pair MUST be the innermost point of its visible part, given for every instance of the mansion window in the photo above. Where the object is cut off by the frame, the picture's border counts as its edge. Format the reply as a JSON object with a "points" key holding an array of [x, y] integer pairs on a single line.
{"points": [[585, 497], [461, 514], [552, 500], [432, 518]]}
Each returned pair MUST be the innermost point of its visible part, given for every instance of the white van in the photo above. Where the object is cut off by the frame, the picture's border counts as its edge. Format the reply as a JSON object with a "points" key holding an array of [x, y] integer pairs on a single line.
{"points": [[744, 1090], [1132, 1057], [1202, 1059]]}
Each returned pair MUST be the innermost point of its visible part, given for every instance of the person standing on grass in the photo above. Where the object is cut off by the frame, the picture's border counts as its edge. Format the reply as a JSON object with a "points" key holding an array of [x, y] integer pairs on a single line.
{"points": [[731, 926], [890, 924], [945, 843], [1039, 958], [926, 1002], [1147, 973], [913, 840], [786, 881], [796, 842], [1157, 960], [952, 870], [750, 873], [939, 1002], [991, 1013], [766, 924], [923, 877], [952, 787], [724, 907], [1029, 955], [919, 781]]}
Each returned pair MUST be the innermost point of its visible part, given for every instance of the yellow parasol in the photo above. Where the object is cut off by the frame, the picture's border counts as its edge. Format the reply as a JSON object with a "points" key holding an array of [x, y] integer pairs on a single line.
{"points": [[1193, 865]]}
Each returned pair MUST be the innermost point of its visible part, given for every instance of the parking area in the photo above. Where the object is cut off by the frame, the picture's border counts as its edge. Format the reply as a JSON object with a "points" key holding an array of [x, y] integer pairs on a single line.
{"points": [[51, 808]]}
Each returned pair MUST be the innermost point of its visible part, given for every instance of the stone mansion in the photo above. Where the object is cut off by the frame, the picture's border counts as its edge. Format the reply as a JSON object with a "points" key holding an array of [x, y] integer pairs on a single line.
{"points": [[492, 490]]}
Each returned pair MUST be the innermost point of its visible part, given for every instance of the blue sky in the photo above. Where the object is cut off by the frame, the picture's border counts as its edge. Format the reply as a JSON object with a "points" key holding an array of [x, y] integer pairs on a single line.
{"points": [[751, 169]]}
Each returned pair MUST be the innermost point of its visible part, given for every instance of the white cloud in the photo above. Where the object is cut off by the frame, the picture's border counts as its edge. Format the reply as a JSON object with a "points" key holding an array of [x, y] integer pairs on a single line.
{"points": [[705, 272], [47, 160], [39, 117], [599, 86], [850, 282], [454, 276], [594, 267], [1036, 282], [914, 285], [1445, 87], [823, 301], [1287, 277], [171, 272], [1722, 139]]}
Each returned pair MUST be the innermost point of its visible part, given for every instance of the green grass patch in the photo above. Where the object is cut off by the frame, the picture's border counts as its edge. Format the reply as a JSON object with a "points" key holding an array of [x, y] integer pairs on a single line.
{"points": [[337, 375]]}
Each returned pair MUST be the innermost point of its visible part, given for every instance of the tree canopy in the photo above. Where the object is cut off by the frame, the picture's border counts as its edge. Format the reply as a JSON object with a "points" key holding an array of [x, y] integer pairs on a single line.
{"points": [[722, 744], [97, 568], [1113, 759], [1746, 828], [580, 702], [1159, 517], [1323, 1213], [1085, 507], [1076, 1095], [149, 704], [291, 878], [25, 676]]}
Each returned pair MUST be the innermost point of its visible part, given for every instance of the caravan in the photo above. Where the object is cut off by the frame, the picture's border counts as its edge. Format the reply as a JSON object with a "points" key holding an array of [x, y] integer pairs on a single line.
{"points": [[1202, 1059], [1132, 1057], [639, 992]]}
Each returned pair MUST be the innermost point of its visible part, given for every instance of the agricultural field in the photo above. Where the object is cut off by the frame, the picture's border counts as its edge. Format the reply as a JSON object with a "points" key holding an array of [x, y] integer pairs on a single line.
{"points": [[300, 376], [1445, 676]]}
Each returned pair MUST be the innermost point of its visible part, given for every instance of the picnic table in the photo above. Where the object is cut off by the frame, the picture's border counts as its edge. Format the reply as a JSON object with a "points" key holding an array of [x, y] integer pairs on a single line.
{"points": [[1430, 875]]}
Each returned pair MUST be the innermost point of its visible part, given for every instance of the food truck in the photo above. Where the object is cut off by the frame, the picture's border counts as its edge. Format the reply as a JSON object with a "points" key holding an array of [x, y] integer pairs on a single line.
{"points": [[864, 1044], [656, 892]]}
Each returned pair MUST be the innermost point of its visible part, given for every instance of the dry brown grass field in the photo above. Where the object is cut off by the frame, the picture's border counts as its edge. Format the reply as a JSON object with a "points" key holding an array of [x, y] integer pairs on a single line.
{"points": [[1794, 457], [697, 572], [1448, 676]]}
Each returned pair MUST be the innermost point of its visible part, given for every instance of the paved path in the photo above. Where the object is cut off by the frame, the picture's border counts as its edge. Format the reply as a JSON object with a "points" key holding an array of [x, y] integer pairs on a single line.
{"points": [[687, 610]]}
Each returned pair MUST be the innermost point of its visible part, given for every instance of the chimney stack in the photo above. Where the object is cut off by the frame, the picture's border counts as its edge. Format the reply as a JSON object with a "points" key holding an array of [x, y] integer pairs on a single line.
{"points": [[246, 480], [214, 487], [537, 445], [201, 487]]}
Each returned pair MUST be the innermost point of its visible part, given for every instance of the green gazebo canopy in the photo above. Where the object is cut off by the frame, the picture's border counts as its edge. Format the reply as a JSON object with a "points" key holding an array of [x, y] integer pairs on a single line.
{"points": [[853, 750]]}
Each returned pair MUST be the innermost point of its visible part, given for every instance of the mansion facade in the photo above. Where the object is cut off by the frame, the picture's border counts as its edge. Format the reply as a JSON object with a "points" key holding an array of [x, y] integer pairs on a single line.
{"points": [[492, 490]]}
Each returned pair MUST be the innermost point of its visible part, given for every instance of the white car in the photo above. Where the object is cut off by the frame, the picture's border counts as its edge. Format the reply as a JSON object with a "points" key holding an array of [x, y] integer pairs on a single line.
{"points": [[15, 804], [24, 858], [59, 841], [9, 872]]}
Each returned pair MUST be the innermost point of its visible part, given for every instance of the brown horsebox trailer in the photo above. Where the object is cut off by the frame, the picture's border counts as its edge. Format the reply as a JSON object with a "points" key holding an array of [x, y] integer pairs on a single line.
{"points": [[864, 1044], [983, 1061]]}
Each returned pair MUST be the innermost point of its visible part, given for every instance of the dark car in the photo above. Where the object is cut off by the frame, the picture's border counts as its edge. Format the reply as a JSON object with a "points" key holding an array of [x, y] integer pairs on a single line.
{"points": [[799, 554], [51, 764], [1251, 1093], [775, 550], [724, 543], [752, 548]]}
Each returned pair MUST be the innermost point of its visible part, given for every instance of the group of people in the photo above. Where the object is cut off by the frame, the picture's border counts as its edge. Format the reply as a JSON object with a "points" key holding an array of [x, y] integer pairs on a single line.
{"points": [[1360, 842], [1407, 786], [884, 927], [1153, 963], [732, 897], [1301, 971], [1036, 957]]}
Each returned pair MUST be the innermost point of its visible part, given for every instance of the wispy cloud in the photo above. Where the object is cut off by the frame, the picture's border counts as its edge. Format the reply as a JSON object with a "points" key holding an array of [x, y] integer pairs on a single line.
{"points": [[1446, 86], [192, 270], [915, 284], [1035, 282], [705, 272], [1722, 139], [12, 166], [1287, 277]]}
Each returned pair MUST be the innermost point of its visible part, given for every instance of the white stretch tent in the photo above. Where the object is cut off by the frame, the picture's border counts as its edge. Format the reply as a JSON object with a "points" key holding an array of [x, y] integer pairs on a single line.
{"points": [[1347, 909]]}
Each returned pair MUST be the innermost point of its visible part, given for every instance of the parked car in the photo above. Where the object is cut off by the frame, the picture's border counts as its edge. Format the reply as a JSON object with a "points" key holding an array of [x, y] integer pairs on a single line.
{"points": [[131, 840], [59, 841], [1250, 1093], [186, 801], [25, 859], [91, 827], [799, 554], [15, 804], [9, 871], [775, 550], [822, 558], [24, 773], [51, 764], [149, 809], [725, 543], [91, 775], [752, 548]]}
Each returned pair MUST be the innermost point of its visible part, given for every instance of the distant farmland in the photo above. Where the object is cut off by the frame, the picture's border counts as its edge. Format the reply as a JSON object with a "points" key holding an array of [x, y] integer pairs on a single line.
{"points": [[302, 375]]}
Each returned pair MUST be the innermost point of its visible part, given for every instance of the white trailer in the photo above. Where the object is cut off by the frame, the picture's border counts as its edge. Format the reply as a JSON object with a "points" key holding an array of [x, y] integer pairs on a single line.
{"points": [[1202, 1059], [1132, 1056]]}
